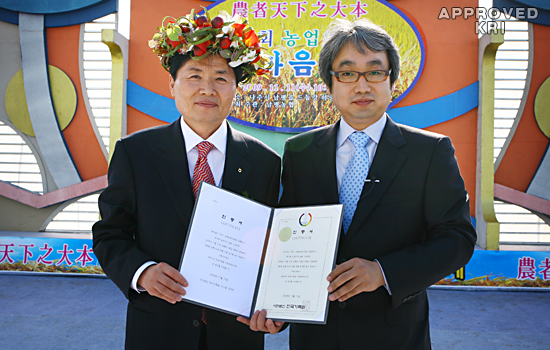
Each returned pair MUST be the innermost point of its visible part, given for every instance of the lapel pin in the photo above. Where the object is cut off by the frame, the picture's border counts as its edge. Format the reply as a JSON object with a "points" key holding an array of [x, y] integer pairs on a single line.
{"points": [[240, 170]]}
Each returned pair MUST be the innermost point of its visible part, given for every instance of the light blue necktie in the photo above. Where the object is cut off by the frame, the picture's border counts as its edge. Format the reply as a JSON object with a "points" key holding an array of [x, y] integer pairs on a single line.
{"points": [[355, 176]]}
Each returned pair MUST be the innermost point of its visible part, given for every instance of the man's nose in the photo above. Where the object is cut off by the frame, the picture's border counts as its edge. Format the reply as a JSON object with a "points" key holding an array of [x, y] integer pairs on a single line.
{"points": [[362, 84], [207, 87]]}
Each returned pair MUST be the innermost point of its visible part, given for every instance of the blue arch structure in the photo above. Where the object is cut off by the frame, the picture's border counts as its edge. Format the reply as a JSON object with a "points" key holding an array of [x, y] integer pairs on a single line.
{"points": [[438, 110], [421, 115], [58, 13], [150, 103], [542, 6]]}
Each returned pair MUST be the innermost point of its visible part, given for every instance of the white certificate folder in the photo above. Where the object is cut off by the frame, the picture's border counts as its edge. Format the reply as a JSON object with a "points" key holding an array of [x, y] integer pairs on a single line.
{"points": [[241, 256]]}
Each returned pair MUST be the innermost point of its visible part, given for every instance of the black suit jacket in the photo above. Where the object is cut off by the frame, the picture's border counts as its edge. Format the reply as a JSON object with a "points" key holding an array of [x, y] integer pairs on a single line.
{"points": [[145, 212], [415, 221]]}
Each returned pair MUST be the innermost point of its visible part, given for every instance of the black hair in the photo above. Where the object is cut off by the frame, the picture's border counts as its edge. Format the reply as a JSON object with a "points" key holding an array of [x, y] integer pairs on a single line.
{"points": [[361, 33]]}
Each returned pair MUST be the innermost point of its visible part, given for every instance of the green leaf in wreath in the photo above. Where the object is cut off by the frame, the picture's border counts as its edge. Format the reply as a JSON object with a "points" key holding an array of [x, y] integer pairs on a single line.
{"points": [[225, 54]]}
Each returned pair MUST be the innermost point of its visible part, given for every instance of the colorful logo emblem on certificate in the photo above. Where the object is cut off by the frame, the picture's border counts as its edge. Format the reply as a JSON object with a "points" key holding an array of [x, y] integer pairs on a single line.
{"points": [[285, 234], [305, 219]]}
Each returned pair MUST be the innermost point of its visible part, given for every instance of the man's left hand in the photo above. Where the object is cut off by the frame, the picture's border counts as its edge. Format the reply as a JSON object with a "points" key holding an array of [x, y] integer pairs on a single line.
{"points": [[353, 277], [258, 322]]}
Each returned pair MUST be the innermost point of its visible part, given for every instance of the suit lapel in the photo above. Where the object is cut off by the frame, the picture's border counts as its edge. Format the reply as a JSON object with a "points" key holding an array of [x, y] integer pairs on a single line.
{"points": [[237, 168], [174, 170], [324, 163], [386, 164]]}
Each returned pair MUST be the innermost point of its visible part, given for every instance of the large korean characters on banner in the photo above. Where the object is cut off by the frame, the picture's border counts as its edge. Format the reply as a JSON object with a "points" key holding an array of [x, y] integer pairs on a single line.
{"points": [[292, 97]]}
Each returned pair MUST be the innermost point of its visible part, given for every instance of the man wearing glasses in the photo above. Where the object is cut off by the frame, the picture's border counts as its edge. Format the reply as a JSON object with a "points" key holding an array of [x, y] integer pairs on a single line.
{"points": [[406, 217]]}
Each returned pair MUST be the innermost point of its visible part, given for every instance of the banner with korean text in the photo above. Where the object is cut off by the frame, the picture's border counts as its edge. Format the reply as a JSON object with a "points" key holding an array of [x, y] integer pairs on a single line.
{"points": [[44, 254], [504, 269], [64, 254], [292, 97]]}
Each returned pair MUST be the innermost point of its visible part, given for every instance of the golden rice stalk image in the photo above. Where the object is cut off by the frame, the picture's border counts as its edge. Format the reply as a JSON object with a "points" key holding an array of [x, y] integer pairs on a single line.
{"points": [[487, 281]]}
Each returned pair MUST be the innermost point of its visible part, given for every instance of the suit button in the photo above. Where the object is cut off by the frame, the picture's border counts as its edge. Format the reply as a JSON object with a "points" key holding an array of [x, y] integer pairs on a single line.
{"points": [[196, 323], [342, 304]]}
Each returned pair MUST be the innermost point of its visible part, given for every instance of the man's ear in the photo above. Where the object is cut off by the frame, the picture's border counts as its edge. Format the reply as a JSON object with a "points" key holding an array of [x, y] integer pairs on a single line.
{"points": [[171, 83]]}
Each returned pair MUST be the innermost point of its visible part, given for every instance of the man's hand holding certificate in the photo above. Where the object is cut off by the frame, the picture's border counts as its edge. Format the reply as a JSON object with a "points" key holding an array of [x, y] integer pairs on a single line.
{"points": [[242, 256]]}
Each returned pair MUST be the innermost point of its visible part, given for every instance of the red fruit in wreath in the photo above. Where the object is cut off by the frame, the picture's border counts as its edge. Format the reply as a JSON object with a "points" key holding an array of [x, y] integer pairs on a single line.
{"points": [[217, 22], [174, 43], [197, 51], [185, 29], [225, 43], [204, 46], [201, 21]]}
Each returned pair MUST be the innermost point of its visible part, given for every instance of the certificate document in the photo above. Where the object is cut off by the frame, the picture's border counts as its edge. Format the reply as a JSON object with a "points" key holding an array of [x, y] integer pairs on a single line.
{"points": [[300, 255], [241, 256]]}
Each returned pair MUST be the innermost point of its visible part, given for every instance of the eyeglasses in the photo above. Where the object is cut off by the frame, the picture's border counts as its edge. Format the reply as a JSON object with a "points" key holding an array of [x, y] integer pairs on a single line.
{"points": [[372, 76]]}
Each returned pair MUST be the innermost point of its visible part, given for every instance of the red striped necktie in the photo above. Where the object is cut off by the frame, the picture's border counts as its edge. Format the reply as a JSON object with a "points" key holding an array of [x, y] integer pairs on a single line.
{"points": [[201, 173], [202, 170]]}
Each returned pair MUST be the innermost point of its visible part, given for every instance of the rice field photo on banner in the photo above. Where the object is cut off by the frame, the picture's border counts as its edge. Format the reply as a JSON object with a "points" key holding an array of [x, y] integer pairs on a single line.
{"points": [[292, 97]]}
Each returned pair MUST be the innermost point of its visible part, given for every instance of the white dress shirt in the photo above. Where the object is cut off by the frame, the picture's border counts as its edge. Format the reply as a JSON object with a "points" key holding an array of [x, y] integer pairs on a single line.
{"points": [[345, 148], [345, 151], [216, 161], [216, 157]]}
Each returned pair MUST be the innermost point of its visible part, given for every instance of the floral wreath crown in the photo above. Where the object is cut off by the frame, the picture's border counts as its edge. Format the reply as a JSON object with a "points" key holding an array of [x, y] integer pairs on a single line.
{"points": [[199, 36]]}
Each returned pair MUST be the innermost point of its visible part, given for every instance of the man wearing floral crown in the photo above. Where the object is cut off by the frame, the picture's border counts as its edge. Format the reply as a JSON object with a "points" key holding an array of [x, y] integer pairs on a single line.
{"points": [[154, 176]]}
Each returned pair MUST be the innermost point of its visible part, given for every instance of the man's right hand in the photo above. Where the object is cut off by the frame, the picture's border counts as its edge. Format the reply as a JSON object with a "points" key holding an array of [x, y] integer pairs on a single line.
{"points": [[163, 281]]}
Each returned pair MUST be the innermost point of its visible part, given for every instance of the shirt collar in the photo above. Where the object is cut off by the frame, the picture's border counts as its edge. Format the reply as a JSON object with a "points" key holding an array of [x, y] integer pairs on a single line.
{"points": [[218, 138], [374, 131]]}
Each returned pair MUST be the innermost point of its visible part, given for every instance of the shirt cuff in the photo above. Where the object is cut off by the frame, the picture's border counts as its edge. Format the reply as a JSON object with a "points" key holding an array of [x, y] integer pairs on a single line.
{"points": [[384, 275], [137, 274]]}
